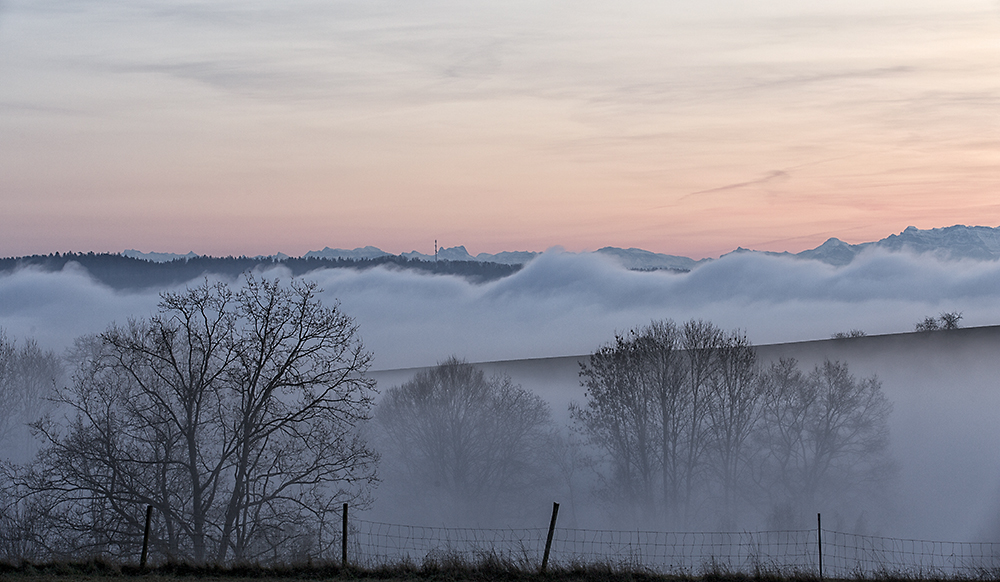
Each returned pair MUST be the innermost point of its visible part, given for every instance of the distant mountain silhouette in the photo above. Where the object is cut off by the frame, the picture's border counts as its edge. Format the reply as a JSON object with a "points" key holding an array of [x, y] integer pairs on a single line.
{"points": [[981, 243], [640, 260], [953, 242], [134, 269]]}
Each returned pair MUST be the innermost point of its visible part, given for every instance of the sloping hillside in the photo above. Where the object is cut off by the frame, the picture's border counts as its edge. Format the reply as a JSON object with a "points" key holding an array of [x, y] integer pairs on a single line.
{"points": [[945, 426]]}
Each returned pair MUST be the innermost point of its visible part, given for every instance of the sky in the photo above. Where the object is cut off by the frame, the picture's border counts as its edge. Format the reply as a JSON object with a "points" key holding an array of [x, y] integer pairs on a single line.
{"points": [[685, 127]]}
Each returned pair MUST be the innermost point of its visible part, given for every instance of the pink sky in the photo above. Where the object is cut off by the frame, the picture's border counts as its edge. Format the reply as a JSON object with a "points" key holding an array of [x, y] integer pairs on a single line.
{"points": [[689, 128]]}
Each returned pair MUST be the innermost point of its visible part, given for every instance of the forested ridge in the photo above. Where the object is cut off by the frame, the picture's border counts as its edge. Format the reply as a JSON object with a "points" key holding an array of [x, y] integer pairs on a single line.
{"points": [[121, 272]]}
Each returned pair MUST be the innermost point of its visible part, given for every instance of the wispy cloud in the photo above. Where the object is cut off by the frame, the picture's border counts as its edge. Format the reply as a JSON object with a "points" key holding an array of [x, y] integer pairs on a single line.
{"points": [[770, 177]]}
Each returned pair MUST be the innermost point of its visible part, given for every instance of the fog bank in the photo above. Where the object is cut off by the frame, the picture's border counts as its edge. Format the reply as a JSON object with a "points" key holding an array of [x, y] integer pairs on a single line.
{"points": [[943, 429], [942, 384], [566, 304]]}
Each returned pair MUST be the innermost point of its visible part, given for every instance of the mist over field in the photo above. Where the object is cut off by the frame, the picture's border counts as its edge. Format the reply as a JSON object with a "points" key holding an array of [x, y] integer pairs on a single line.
{"points": [[943, 433], [944, 438]]}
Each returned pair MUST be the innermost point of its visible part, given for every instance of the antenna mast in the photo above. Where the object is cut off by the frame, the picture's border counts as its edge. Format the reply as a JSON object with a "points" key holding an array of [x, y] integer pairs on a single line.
{"points": [[435, 250]]}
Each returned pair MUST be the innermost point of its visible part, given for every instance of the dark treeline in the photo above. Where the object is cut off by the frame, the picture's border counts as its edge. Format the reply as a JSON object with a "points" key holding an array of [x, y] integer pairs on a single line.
{"points": [[121, 272], [245, 417]]}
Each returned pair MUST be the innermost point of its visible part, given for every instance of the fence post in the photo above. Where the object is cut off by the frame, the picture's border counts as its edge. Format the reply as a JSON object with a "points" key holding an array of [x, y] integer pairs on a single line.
{"points": [[145, 538], [548, 540], [819, 543], [343, 541]]}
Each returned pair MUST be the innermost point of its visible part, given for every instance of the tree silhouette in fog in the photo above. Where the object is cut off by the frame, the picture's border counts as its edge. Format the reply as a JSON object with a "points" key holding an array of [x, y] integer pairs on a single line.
{"points": [[468, 447], [620, 417], [28, 378], [735, 406], [825, 435], [28, 375], [669, 410], [687, 431], [232, 413]]}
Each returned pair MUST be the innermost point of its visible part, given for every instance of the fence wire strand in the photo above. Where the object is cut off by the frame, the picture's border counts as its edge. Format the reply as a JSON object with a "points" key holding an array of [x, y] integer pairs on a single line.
{"points": [[853, 553], [844, 554]]}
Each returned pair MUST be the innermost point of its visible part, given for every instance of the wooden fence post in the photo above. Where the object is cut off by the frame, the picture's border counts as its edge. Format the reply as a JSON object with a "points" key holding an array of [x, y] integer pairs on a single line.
{"points": [[145, 538], [819, 543], [548, 540], [343, 541]]}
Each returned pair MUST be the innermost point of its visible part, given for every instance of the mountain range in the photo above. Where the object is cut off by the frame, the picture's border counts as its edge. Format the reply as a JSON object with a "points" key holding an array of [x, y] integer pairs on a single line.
{"points": [[957, 242], [952, 243]]}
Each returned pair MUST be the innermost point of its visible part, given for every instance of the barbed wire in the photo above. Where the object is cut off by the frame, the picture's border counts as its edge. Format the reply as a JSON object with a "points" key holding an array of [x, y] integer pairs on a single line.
{"points": [[844, 554]]}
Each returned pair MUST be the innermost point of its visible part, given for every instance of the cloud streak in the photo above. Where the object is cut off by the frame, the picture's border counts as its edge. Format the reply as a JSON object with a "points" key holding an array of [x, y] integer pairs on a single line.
{"points": [[771, 176]]}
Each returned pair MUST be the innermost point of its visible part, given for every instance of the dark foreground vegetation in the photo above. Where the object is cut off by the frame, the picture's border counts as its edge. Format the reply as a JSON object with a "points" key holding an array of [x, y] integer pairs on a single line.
{"points": [[487, 569], [121, 272]]}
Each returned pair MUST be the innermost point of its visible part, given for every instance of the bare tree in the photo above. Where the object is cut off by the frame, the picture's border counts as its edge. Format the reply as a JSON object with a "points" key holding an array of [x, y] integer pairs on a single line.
{"points": [[233, 414], [947, 320], [649, 396], [620, 420], [28, 376], [950, 320], [299, 376], [789, 400], [854, 333], [481, 443], [701, 341], [734, 409], [825, 433], [663, 368]]}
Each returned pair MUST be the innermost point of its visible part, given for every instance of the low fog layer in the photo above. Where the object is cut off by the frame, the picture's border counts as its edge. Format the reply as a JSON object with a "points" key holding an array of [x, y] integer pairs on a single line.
{"points": [[566, 304], [941, 384], [943, 432]]}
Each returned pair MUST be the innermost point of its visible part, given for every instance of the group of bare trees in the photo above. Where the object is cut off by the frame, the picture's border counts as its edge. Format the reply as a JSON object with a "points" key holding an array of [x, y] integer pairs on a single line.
{"points": [[690, 430], [681, 425], [28, 376], [233, 414], [822, 436], [948, 320], [240, 417]]}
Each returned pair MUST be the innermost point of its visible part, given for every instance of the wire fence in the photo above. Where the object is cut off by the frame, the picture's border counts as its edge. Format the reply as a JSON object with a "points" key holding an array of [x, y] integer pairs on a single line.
{"points": [[844, 555], [852, 553]]}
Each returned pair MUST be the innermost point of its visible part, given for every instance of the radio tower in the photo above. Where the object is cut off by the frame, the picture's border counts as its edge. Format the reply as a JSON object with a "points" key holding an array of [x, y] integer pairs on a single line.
{"points": [[435, 251]]}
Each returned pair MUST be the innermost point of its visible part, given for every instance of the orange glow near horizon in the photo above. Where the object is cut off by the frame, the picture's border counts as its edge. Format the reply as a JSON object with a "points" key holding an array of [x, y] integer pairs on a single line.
{"points": [[687, 131]]}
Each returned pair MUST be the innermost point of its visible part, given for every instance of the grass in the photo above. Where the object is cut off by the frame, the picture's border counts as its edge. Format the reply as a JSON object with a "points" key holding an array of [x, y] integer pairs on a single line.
{"points": [[444, 569]]}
